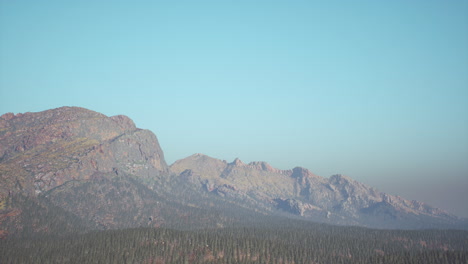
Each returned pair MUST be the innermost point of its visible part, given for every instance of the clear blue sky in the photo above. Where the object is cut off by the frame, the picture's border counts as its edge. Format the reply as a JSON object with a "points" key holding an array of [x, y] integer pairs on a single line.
{"points": [[377, 90]]}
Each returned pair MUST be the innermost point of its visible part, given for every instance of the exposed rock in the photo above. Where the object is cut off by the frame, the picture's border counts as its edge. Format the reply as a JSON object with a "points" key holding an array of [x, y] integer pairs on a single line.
{"points": [[81, 162], [291, 205], [237, 162], [7, 116], [261, 165], [338, 199], [40, 151], [124, 122]]}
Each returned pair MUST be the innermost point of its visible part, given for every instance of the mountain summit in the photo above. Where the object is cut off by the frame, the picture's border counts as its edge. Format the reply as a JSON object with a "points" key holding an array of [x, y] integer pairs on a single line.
{"points": [[75, 169], [41, 151]]}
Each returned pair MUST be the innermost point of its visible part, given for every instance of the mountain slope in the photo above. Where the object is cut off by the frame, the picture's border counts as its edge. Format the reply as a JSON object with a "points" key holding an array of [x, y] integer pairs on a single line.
{"points": [[40, 151], [89, 171], [80, 162], [338, 199]]}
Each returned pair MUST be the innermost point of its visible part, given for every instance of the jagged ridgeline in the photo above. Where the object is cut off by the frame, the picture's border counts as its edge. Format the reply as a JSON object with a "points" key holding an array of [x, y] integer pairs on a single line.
{"points": [[338, 199], [71, 169]]}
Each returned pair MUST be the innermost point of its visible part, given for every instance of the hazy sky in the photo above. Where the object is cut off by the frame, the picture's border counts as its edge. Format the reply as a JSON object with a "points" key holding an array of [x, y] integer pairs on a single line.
{"points": [[376, 90]]}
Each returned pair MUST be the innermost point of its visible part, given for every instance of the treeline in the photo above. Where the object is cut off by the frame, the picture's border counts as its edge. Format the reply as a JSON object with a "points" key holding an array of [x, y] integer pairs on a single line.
{"points": [[273, 244]]}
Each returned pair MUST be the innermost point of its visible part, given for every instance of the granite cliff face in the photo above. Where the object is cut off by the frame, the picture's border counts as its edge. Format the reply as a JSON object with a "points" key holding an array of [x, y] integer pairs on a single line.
{"points": [[40, 151], [68, 153], [338, 199]]}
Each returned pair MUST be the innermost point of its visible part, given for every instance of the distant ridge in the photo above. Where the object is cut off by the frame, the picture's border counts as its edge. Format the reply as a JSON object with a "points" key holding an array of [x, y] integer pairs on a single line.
{"points": [[338, 199]]}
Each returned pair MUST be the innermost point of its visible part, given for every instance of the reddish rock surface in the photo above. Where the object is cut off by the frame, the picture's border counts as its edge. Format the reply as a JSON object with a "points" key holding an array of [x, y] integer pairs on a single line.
{"points": [[40, 151]]}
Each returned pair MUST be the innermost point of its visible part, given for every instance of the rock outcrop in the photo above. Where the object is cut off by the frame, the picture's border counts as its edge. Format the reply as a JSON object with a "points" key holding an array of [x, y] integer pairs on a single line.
{"points": [[40, 151]]}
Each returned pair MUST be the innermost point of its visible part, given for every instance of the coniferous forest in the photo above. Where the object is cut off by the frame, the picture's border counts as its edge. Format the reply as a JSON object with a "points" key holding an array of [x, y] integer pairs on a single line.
{"points": [[296, 242]]}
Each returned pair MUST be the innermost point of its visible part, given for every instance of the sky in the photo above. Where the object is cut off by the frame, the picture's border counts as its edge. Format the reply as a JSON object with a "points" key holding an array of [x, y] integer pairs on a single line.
{"points": [[376, 90]]}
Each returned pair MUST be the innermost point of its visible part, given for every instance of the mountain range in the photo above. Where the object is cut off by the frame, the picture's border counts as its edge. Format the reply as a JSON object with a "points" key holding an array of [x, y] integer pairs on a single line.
{"points": [[73, 169]]}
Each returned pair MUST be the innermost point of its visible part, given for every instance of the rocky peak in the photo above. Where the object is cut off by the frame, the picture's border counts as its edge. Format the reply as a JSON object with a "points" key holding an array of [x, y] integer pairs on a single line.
{"points": [[197, 159], [8, 116], [200, 164], [124, 122], [46, 149], [303, 175], [198, 155], [29, 130], [299, 172], [237, 162], [261, 165]]}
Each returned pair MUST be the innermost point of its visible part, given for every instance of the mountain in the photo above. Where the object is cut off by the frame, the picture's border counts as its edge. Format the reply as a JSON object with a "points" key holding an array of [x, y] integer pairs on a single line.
{"points": [[73, 169], [41, 151], [338, 199]]}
